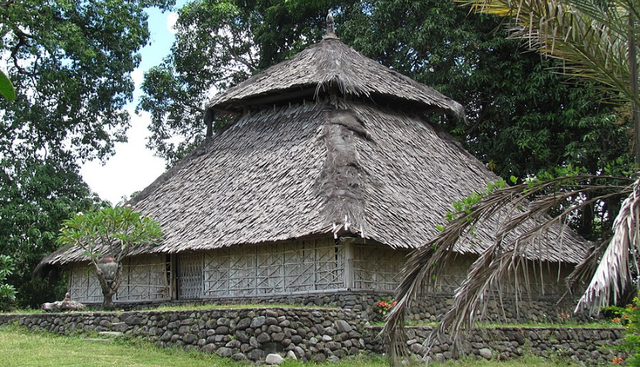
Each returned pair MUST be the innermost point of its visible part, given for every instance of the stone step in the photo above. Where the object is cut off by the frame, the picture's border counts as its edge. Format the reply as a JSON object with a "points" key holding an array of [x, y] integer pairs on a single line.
{"points": [[98, 340], [112, 334]]}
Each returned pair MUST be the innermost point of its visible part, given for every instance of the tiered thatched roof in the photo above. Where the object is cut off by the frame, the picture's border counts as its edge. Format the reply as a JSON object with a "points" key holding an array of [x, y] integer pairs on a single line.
{"points": [[327, 65], [330, 164]]}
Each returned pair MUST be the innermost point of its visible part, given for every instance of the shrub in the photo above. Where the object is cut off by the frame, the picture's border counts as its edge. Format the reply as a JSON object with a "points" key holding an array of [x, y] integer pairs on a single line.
{"points": [[7, 291], [384, 306], [629, 316]]}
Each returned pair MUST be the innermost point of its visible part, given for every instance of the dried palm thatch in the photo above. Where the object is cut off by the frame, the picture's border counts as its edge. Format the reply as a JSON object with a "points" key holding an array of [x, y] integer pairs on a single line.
{"points": [[318, 169], [523, 223], [329, 65]]}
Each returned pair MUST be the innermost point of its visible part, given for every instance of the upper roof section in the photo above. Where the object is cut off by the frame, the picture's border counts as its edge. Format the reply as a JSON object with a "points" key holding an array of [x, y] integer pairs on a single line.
{"points": [[330, 66]]}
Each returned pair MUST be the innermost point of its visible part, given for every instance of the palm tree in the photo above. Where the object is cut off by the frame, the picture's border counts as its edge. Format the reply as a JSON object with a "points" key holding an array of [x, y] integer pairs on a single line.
{"points": [[595, 39]]}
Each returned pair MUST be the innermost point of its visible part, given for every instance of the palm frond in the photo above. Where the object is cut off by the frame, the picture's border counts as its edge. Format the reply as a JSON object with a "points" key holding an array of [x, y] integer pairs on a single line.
{"points": [[592, 40], [612, 275], [521, 209]]}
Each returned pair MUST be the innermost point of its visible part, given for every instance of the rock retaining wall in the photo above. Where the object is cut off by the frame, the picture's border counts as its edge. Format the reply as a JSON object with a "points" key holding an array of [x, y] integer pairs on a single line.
{"points": [[314, 334], [363, 303], [590, 345], [242, 334]]}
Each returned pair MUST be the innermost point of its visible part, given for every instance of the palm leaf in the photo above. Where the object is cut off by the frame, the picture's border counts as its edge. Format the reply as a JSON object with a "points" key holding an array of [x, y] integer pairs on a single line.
{"points": [[590, 39], [518, 209], [612, 275]]}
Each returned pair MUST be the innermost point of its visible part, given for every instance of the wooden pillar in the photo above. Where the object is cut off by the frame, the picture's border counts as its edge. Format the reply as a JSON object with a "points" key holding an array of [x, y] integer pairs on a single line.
{"points": [[174, 279], [348, 264]]}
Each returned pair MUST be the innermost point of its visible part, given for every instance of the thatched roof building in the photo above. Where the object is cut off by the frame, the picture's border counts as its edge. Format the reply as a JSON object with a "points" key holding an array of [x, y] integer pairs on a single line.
{"points": [[329, 146]]}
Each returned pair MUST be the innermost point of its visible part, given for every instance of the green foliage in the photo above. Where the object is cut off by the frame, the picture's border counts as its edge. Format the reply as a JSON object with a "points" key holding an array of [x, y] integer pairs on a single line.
{"points": [[6, 88], [465, 205], [35, 197], [7, 291], [70, 63], [109, 229], [629, 317]]}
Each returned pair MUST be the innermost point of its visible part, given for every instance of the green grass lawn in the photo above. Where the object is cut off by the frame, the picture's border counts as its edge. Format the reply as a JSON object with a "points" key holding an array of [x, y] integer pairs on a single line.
{"points": [[22, 348]]}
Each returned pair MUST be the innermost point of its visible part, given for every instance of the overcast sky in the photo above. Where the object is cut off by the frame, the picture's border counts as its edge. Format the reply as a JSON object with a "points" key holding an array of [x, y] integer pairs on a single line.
{"points": [[134, 167]]}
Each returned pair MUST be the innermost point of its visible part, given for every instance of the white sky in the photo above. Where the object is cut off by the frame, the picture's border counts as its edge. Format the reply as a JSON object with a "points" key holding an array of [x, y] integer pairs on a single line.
{"points": [[133, 167]]}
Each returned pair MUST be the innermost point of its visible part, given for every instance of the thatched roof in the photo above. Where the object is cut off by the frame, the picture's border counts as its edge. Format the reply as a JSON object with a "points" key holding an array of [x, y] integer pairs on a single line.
{"points": [[337, 166], [328, 65], [314, 169]]}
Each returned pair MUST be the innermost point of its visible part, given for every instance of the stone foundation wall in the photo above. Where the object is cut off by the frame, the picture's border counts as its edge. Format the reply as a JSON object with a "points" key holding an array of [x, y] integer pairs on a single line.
{"points": [[314, 334], [431, 308], [243, 334], [589, 345]]}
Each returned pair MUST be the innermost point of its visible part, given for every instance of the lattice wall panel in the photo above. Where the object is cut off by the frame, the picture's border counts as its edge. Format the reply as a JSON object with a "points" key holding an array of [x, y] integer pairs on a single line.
{"points": [[377, 267], [242, 274], [217, 270], [454, 274], [274, 269], [299, 266], [145, 279], [84, 286], [269, 269], [190, 276], [329, 267]]}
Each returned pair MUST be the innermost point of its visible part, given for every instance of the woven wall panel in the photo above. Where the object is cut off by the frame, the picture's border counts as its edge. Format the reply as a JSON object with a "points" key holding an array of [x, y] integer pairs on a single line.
{"points": [[377, 268], [189, 275], [84, 286], [301, 266], [145, 279]]}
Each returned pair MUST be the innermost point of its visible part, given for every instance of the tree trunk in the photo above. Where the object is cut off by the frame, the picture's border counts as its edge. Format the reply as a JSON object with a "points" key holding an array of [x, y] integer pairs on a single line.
{"points": [[109, 288], [107, 302]]}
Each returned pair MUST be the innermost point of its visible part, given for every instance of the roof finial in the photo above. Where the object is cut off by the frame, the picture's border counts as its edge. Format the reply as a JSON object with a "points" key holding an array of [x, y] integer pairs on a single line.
{"points": [[331, 26]]}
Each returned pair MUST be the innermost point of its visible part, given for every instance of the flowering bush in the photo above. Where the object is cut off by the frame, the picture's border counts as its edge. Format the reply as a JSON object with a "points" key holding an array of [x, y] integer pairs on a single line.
{"points": [[618, 360], [563, 317], [629, 317], [384, 306]]}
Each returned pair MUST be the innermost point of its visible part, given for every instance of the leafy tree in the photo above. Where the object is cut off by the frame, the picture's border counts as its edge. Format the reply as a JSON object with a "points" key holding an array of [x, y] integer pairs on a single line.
{"points": [[220, 43], [109, 232], [70, 63], [34, 201]]}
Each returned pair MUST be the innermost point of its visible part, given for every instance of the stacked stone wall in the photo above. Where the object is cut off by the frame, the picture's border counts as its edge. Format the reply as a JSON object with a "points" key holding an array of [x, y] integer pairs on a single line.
{"points": [[315, 334], [589, 345], [242, 334], [431, 308]]}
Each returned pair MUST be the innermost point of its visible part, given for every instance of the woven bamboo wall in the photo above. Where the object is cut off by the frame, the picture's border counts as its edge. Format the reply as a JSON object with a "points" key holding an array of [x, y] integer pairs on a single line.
{"points": [[285, 268], [146, 278], [377, 267], [83, 285], [291, 268]]}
